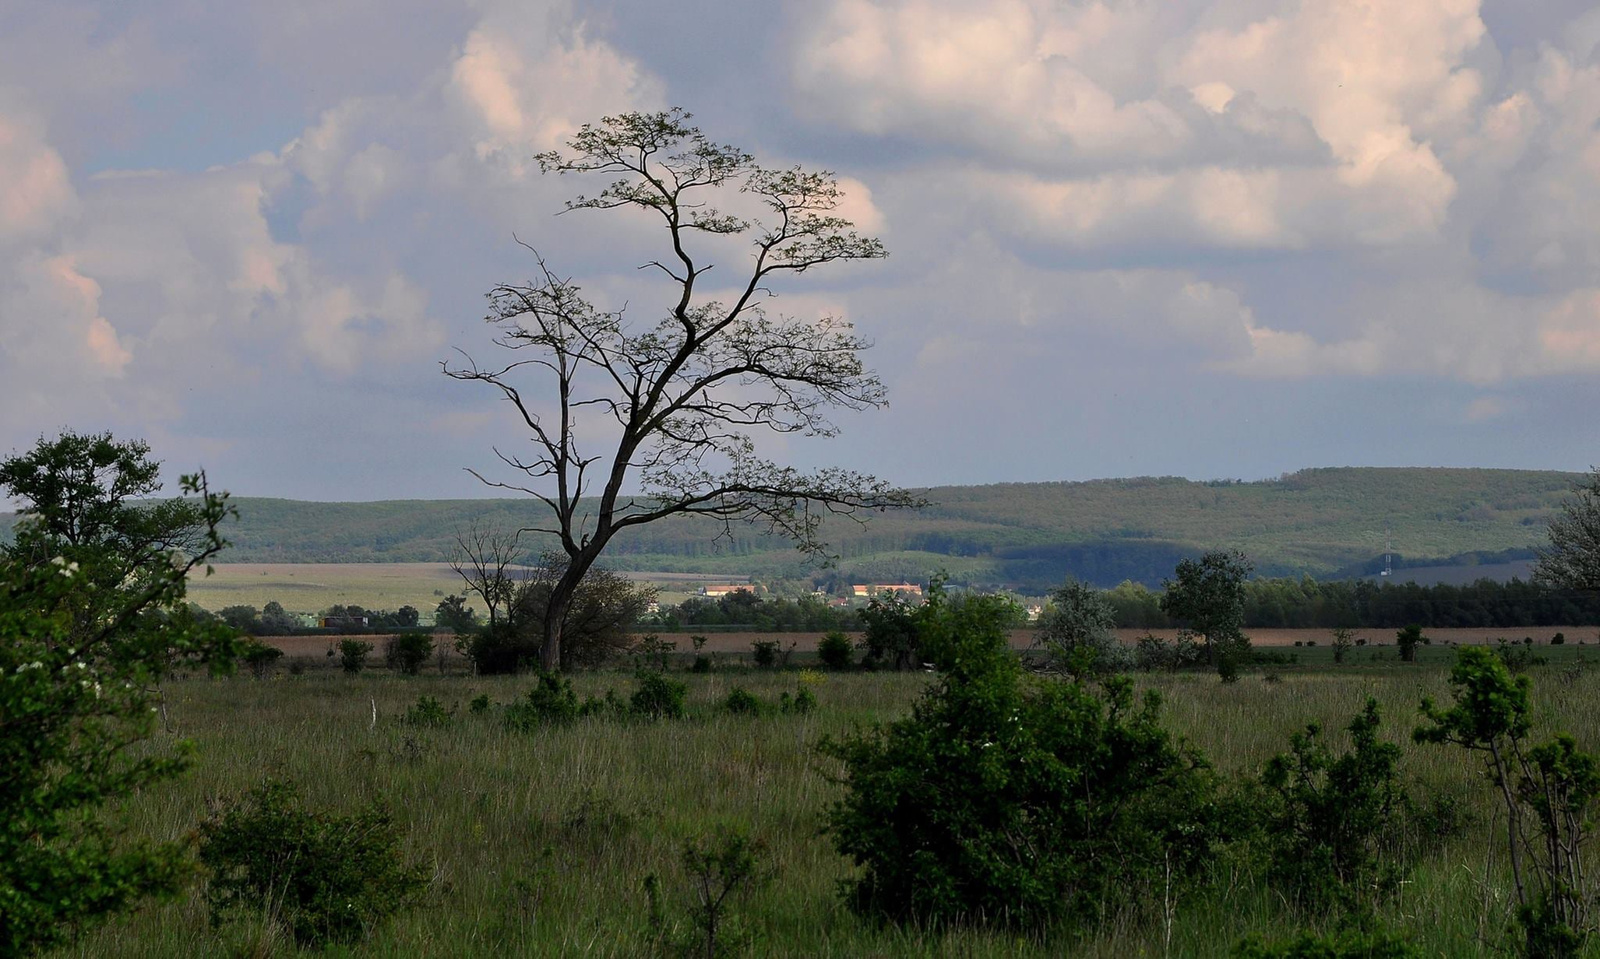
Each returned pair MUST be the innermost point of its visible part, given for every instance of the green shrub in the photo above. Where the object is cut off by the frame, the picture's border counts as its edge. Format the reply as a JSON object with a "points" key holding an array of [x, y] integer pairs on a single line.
{"points": [[1349, 944], [1003, 800], [1408, 639], [658, 697], [741, 702], [353, 655], [480, 704], [326, 878], [1330, 817], [802, 702], [764, 653], [259, 656], [653, 647], [428, 712], [551, 701], [408, 652], [1550, 794], [835, 651]]}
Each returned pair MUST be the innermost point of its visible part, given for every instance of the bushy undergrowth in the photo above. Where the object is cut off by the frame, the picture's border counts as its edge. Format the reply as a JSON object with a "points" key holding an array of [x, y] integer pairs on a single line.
{"points": [[658, 697], [326, 878], [1004, 800]]}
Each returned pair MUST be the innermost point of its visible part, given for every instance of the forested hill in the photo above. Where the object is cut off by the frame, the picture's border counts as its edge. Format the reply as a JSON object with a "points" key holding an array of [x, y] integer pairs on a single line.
{"points": [[1324, 522]]}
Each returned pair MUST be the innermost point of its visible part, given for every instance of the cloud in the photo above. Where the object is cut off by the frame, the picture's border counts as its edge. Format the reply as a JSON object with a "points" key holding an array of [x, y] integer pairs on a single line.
{"points": [[36, 191]]}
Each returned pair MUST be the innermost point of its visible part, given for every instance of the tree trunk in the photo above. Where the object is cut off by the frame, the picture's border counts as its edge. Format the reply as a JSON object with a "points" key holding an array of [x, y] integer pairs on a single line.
{"points": [[555, 613]]}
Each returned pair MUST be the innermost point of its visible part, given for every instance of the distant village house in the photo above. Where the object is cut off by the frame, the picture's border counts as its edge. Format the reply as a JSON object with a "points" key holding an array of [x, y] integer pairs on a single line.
{"points": [[716, 591], [869, 590]]}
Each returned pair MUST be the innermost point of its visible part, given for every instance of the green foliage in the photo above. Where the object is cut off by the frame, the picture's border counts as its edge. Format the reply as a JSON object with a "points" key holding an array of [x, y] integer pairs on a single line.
{"points": [[454, 614], [259, 656], [1332, 815], [658, 697], [429, 713], [1207, 596], [835, 651], [480, 704], [1347, 944], [326, 878], [891, 636], [551, 701], [741, 702], [653, 647], [1075, 631], [719, 868], [353, 655], [1344, 639], [1516, 656], [1408, 639], [408, 652], [1549, 792], [764, 653], [803, 702], [93, 617], [999, 800], [1154, 654]]}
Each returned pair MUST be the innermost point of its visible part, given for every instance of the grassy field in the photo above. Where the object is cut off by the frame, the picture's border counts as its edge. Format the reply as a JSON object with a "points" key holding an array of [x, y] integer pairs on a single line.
{"points": [[539, 843], [312, 587]]}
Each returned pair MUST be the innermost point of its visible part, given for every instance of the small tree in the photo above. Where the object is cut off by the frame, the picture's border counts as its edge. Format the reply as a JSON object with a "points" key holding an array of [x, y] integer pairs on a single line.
{"points": [[890, 635], [835, 650], [93, 616], [718, 869], [1208, 597], [1343, 639], [1550, 793], [1076, 632], [408, 652], [454, 614], [1408, 639], [353, 655], [668, 407]]}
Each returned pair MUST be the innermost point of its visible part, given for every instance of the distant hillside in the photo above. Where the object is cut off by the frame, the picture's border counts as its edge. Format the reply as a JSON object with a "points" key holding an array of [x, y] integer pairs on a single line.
{"points": [[1324, 522]]}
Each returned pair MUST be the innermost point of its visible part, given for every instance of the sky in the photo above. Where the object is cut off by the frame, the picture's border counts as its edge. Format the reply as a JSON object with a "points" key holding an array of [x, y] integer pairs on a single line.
{"points": [[1207, 238]]}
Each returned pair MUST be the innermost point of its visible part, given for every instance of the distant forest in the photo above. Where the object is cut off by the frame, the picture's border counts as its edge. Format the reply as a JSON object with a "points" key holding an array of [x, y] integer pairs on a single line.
{"points": [[1326, 523], [1285, 603]]}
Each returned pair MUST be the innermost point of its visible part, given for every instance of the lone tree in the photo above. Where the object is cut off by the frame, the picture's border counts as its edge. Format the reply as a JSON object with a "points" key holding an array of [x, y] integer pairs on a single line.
{"points": [[1572, 560], [1208, 597], [668, 407]]}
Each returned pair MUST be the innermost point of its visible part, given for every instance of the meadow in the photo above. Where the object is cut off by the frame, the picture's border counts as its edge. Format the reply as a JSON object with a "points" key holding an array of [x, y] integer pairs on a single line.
{"points": [[539, 843]]}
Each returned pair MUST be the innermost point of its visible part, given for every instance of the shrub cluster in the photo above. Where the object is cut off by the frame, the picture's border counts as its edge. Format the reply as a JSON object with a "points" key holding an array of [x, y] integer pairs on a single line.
{"points": [[326, 878], [1032, 801]]}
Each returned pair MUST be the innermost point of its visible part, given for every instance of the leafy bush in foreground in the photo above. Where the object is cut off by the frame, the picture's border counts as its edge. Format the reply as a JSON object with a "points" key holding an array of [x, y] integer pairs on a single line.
{"points": [[1330, 816], [658, 697], [999, 800], [550, 702], [327, 878]]}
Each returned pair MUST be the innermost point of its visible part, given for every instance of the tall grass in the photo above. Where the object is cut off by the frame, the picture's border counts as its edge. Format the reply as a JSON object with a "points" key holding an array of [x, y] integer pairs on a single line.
{"points": [[539, 842]]}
